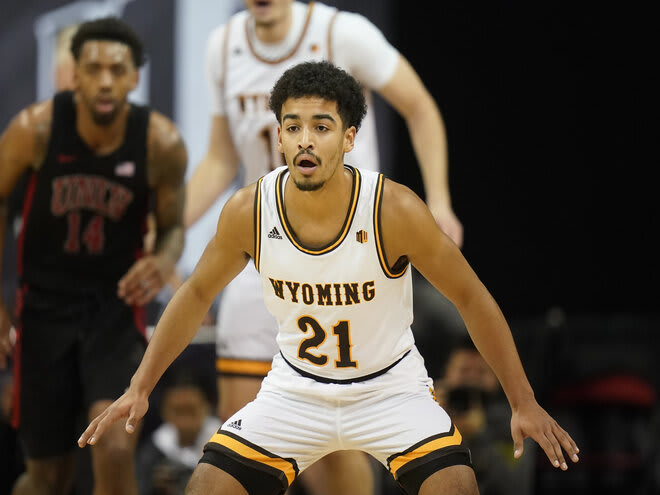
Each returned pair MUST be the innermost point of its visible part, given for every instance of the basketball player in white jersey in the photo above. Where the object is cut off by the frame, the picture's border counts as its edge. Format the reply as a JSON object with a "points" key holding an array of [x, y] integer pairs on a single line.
{"points": [[245, 57], [334, 245]]}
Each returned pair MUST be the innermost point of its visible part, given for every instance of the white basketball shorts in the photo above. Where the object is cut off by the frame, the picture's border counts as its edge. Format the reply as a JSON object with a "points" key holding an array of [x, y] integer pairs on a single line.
{"points": [[294, 421]]}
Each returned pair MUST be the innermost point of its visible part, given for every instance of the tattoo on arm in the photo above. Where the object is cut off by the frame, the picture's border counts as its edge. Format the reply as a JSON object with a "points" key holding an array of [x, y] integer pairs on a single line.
{"points": [[167, 167], [169, 223]]}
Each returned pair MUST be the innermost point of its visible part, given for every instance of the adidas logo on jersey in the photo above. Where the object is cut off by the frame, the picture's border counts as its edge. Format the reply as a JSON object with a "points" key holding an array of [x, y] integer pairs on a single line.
{"points": [[274, 234], [235, 424]]}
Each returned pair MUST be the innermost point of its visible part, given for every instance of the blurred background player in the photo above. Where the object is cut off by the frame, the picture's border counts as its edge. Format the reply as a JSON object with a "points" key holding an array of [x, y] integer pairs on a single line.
{"points": [[245, 57], [97, 163]]}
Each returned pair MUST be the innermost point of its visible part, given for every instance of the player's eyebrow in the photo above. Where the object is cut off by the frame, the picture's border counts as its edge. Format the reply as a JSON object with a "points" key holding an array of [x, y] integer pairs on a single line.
{"points": [[319, 116]]}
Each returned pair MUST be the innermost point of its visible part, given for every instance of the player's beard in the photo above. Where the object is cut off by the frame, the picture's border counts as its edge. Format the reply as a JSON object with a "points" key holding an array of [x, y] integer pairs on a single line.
{"points": [[308, 186], [105, 119]]}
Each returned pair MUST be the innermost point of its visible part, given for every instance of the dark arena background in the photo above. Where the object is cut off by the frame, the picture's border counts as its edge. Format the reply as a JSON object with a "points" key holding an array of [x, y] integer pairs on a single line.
{"points": [[549, 115]]}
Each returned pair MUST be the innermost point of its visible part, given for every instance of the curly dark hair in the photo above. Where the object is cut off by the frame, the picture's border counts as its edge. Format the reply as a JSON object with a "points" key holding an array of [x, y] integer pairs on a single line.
{"points": [[108, 29], [326, 81]]}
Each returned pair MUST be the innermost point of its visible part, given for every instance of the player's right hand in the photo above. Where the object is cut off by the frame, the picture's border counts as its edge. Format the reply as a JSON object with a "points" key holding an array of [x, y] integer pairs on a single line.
{"points": [[131, 405], [5, 331]]}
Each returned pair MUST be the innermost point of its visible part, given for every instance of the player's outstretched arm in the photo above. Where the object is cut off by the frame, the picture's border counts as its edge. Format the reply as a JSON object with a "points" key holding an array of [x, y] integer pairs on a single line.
{"points": [[410, 230], [214, 174], [224, 257], [407, 94]]}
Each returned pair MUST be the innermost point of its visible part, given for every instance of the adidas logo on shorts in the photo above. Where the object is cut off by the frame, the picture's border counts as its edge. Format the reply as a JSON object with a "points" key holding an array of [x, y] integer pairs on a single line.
{"points": [[235, 424], [274, 234]]}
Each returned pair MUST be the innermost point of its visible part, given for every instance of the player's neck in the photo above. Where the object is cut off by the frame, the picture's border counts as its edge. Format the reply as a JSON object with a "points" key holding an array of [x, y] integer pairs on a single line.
{"points": [[101, 139], [321, 202], [316, 217], [275, 31]]}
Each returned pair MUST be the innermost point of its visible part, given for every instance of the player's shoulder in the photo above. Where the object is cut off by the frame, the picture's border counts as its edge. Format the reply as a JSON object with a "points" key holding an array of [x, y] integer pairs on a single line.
{"points": [[240, 205], [24, 142], [318, 9], [167, 156], [216, 37], [398, 197], [162, 130], [346, 20], [31, 126], [33, 116]]}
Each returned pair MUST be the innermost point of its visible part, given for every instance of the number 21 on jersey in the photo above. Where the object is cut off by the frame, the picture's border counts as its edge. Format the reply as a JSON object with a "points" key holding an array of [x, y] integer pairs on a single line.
{"points": [[341, 330]]}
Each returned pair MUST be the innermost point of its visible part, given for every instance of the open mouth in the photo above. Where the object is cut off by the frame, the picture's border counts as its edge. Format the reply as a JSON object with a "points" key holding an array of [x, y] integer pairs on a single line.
{"points": [[306, 164], [262, 4], [105, 105]]}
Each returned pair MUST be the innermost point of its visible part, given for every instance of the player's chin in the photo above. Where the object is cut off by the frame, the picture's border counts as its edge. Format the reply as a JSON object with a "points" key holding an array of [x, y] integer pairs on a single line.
{"points": [[304, 184], [104, 118]]}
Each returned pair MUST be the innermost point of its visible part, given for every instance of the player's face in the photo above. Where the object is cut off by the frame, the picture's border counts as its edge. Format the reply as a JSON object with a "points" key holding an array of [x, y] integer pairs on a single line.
{"points": [[268, 12], [104, 75], [313, 141]]}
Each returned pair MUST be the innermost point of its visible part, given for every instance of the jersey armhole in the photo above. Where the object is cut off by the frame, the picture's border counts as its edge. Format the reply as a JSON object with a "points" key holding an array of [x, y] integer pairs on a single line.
{"points": [[402, 263], [257, 224]]}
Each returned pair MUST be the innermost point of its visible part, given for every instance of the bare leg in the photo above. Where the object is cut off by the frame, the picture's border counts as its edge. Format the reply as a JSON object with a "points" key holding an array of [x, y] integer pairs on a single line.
{"points": [[345, 471], [452, 480], [52, 476], [210, 480], [112, 458]]}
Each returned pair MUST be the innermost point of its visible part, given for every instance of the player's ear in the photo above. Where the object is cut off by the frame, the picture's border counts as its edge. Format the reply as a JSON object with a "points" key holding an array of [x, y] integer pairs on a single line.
{"points": [[279, 139], [349, 138]]}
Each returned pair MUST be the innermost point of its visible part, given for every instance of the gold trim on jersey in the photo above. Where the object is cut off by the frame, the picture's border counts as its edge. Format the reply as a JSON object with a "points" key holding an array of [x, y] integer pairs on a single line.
{"points": [[330, 25], [450, 439], [293, 50], [257, 224], [225, 50], [242, 367], [382, 257], [262, 456], [355, 194]]}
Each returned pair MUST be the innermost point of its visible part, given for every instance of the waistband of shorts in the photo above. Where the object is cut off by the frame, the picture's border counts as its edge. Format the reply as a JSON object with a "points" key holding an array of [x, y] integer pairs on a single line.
{"points": [[363, 378]]}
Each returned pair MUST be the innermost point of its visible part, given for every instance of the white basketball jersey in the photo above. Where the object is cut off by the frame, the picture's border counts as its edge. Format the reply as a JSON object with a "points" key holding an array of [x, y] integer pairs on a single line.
{"points": [[342, 312], [249, 78]]}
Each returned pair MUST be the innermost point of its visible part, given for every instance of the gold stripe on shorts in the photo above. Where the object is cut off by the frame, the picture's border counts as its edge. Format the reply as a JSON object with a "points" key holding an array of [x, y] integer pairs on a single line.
{"points": [[452, 438], [242, 367], [234, 444]]}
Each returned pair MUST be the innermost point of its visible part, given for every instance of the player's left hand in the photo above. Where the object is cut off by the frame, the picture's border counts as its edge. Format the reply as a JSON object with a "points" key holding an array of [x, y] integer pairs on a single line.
{"points": [[131, 405], [531, 420], [447, 221], [145, 279]]}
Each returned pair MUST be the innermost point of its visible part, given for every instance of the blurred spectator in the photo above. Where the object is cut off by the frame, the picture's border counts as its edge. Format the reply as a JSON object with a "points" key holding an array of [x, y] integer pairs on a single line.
{"points": [[472, 396], [166, 460]]}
